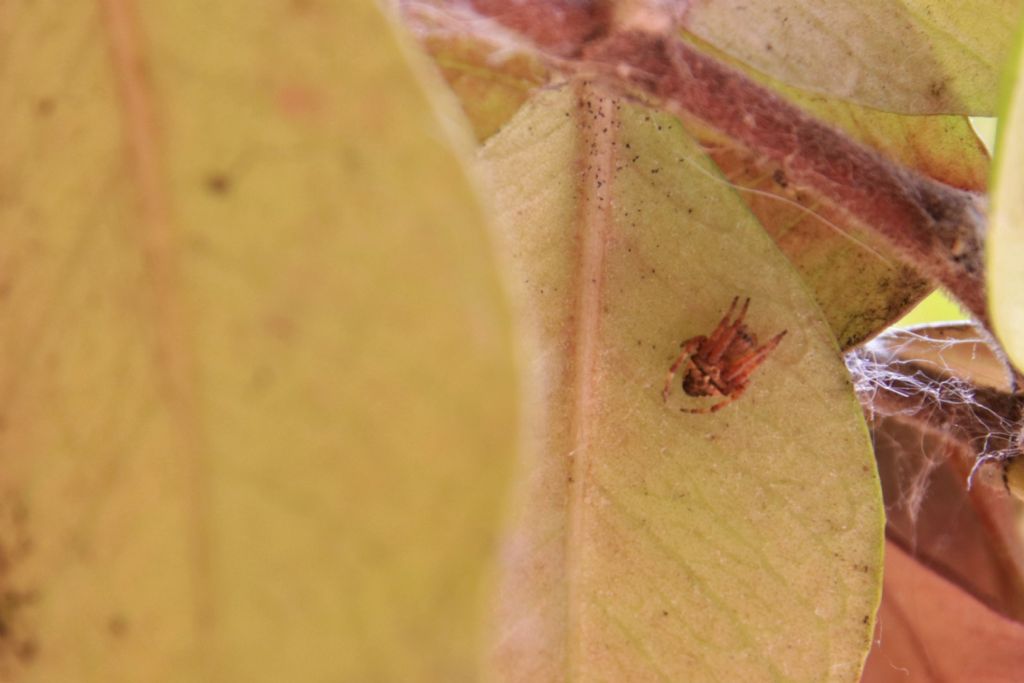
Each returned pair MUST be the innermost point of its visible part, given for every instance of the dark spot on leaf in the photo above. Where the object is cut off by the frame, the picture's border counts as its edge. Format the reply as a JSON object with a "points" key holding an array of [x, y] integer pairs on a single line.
{"points": [[18, 646], [44, 107], [27, 651], [117, 625], [218, 183]]}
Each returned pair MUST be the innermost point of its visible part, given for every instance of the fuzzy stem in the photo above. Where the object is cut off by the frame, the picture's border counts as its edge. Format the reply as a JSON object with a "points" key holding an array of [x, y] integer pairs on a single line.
{"points": [[936, 228]]}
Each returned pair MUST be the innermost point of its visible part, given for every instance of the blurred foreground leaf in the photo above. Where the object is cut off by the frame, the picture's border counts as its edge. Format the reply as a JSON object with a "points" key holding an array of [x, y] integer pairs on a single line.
{"points": [[257, 402], [652, 544], [1005, 244]]}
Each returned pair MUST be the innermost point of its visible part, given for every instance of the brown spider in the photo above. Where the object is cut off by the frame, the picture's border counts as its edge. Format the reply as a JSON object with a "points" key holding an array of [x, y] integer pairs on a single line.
{"points": [[722, 362]]}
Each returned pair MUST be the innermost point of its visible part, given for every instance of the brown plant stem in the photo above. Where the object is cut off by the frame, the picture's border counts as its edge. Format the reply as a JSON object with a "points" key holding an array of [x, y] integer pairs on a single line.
{"points": [[938, 229]]}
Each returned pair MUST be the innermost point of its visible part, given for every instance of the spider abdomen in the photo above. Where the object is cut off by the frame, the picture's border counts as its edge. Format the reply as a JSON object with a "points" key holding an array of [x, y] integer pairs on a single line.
{"points": [[722, 362], [697, 382]]}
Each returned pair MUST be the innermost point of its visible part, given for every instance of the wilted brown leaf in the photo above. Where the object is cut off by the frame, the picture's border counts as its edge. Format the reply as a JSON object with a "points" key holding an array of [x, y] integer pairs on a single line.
{"points": [[954, 577], [929, 630]]}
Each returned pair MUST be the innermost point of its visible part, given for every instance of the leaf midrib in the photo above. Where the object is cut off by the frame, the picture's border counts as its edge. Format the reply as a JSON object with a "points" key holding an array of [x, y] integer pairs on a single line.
{"points": [[597, 123], [173, 356]]}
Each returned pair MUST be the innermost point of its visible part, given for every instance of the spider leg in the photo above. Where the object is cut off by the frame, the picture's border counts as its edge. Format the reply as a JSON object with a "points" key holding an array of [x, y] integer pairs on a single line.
{"points": [[745, 366], [725, 318], [737, 392], [722, 337], [689, 346]]}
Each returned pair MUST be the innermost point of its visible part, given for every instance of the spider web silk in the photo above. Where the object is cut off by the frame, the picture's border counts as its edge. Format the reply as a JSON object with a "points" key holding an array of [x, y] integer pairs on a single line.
{"points": [[918, 379]]}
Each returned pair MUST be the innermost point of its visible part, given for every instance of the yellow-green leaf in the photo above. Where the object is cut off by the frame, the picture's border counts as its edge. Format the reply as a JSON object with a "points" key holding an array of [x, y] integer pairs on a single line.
{"points": [[257, 401], [652, 544], [910, 56], [1005, 242]]}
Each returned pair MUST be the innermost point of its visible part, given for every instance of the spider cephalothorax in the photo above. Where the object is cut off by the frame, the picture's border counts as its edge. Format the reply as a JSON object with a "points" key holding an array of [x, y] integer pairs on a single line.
{"points": [[722, 362]]}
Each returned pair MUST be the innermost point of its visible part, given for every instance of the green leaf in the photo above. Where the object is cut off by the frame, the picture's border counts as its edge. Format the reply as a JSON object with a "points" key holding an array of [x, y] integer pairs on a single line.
{"points": [[910, 56], [1005, 241], [652, 544], [936, 307], [257, 399]]}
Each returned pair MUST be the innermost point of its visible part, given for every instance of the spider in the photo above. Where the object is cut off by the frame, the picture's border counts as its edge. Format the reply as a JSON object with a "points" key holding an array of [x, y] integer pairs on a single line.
{"points": [[722, 362]]}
